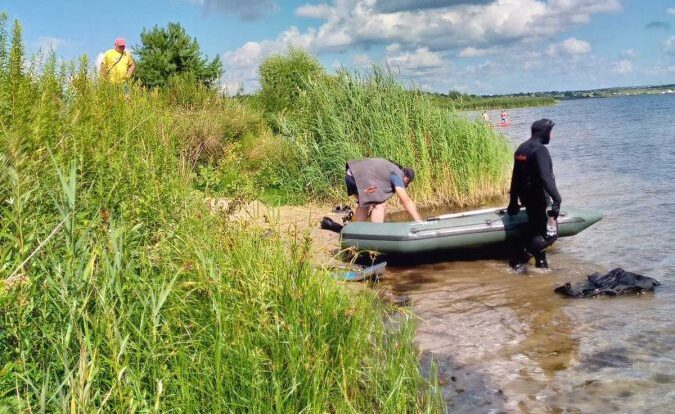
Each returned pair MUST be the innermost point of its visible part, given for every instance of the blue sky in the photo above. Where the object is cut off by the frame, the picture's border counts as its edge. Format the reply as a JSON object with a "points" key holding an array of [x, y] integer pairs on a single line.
{"points": [[475, 46]]}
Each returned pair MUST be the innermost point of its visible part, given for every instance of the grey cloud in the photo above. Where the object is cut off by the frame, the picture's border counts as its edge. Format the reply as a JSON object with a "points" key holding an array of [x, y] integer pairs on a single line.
{"points": [[246, 10], [392, 6], [657, 25]]}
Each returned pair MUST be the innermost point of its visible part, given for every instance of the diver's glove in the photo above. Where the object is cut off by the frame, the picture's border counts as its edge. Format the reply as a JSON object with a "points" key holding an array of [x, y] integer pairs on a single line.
{"points": [[513, 209]]}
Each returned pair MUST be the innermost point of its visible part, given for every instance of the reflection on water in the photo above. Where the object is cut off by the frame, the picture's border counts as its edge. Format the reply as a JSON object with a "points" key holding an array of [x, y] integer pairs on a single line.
{"points": [[505, 342]]}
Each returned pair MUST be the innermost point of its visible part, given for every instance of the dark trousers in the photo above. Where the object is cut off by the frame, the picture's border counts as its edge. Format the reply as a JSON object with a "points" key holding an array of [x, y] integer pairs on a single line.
{"points": [[535, 241], [536, 220], [351, 185]]}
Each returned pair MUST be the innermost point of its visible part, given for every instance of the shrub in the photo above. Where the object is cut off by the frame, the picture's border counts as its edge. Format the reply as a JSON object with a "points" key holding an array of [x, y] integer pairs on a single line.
{"points": [[283, 79]]}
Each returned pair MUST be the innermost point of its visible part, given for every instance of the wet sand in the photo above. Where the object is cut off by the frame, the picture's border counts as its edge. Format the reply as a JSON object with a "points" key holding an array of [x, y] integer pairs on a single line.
{"points": [[291, 221]]}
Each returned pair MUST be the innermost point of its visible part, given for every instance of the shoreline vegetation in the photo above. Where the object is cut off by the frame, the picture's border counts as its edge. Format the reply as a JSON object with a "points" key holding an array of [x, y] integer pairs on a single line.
{"points": [[122, 291], [463, 102], [466, 102]]}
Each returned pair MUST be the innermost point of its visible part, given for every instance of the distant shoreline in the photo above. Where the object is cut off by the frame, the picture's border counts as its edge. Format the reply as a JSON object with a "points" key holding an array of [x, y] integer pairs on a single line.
{"points": [[473, 103], [467, 102]]}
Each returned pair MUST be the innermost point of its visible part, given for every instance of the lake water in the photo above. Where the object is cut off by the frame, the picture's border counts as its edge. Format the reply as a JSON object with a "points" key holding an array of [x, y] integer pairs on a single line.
{"points": [[505, 342]]}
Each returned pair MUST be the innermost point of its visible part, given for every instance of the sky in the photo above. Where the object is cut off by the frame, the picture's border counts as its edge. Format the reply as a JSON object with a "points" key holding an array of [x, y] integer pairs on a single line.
{"points": [[471, 46]]}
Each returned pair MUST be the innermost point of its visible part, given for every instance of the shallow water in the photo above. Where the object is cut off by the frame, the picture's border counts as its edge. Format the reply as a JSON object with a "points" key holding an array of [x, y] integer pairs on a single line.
{"points": [[505, 342]]}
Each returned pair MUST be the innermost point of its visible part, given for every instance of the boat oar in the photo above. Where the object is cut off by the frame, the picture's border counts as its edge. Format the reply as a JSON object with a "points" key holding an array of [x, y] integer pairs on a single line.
{"points": [[371, 273]]}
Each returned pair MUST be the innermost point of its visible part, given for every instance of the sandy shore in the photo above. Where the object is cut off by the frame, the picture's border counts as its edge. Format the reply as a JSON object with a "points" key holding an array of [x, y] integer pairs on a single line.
{"points": [[292, 221]]}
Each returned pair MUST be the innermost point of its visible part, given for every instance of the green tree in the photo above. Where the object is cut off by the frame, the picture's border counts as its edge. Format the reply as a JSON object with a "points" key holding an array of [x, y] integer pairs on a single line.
{"points": [[170, 52]]}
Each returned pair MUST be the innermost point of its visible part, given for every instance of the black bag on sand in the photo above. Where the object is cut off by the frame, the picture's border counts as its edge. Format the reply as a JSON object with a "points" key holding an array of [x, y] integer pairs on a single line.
{"points": [[327, 223], [616, 282]]}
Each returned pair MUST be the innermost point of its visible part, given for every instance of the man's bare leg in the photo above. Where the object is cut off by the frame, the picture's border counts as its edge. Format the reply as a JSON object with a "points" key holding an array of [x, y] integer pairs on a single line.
{"points": [[377, 213]]}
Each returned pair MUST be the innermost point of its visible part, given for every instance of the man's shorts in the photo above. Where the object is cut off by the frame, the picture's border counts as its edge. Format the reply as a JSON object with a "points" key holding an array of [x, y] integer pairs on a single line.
{"points": [[351, 185]]}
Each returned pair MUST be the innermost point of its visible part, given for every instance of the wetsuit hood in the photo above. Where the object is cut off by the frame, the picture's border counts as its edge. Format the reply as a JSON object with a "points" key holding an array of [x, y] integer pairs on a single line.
{"points": [[541, 130]]}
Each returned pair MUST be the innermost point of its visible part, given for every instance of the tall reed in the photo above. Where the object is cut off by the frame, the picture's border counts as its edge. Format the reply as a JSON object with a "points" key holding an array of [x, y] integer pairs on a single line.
{"points": [[355, 115]]}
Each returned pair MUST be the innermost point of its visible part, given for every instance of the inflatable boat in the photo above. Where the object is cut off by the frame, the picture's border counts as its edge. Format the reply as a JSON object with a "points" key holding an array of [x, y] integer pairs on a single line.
{"points": [[479, 228]]}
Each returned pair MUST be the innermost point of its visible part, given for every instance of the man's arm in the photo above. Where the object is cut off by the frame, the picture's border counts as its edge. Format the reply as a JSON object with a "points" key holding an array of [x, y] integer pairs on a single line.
{"points": [[407, 203], [513, 207], [131, 69], [545, 165]]}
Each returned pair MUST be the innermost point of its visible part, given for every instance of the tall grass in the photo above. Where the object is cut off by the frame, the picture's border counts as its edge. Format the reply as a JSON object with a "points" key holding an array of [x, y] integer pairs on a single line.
{"points": [[121, 292], [353, 115]]}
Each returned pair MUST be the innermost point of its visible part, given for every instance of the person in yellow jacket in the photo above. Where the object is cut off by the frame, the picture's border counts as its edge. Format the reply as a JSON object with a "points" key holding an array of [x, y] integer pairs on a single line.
{"points": [[117, 65]]}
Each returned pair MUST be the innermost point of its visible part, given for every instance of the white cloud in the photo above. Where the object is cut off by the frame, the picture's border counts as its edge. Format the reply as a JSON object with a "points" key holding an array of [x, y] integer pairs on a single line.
{"points": [[47, 43], [419, 65], [629, 54], [571, 46], [623, 67], [241, 65], [362, 60], [671, 11], [246, 10], [358, 22], [446, 27], [487, 68], [475, 52], [319, 11], [420, 59], [669, 45], [393, 48]]}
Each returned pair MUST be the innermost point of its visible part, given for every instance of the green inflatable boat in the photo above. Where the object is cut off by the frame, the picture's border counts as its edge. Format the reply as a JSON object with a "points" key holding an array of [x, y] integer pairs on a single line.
{"points": [[449, 232]]}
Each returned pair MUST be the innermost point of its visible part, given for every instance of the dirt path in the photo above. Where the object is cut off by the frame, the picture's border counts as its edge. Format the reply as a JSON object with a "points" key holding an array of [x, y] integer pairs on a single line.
{"points": [[292, 220]]}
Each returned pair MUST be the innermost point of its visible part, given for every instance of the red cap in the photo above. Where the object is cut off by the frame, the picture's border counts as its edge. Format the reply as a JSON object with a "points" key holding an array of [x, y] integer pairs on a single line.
{"points": [[120, 42]]}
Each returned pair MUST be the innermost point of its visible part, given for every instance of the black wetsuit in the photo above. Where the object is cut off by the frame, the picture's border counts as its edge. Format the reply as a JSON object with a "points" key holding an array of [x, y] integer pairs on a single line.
{"points": [[532, 182]]}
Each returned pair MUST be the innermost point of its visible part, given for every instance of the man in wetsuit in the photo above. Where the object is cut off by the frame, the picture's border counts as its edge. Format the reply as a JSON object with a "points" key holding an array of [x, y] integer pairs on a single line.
{"points": [[373, 181], [533, 182]]}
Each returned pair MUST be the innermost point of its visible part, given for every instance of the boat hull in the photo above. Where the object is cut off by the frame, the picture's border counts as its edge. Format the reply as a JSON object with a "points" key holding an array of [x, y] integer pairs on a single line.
{"points": [[472, 229]]}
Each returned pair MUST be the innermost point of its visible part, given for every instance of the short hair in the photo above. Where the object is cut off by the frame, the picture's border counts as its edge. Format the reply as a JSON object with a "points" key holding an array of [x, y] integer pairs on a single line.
{"points": [[409, 172]]}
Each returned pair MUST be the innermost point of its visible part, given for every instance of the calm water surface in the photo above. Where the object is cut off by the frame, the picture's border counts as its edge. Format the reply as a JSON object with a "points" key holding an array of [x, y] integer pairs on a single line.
{"points": [[506, 342]]}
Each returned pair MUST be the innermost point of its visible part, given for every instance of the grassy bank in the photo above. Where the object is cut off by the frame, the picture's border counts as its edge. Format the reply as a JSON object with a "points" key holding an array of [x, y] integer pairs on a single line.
{"points": [[121, 292], [326, 120], [473, 102]]}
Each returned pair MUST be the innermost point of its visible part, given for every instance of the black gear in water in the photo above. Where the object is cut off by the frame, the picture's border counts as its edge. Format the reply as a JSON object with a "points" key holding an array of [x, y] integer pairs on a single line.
{"points": [[616, 282]]}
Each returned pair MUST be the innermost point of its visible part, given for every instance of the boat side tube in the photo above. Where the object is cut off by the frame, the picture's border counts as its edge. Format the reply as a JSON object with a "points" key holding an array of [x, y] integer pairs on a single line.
{"points": [[458, 231]]}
